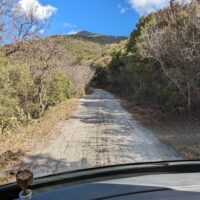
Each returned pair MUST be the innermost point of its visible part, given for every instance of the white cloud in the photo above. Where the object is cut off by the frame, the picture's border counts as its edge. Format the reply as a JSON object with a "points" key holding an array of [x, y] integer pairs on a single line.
{"points": [[73, 32], [39, 11], [68, 25], [144, 7], [122, 9]]}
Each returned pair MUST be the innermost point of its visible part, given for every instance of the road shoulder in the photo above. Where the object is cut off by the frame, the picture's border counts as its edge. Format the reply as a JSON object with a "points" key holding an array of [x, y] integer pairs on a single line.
{"points": [[14, 147], [177, 132]]}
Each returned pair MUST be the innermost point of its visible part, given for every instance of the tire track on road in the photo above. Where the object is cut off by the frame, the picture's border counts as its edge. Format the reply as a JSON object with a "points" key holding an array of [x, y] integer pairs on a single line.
{"points": [[100, 133]]}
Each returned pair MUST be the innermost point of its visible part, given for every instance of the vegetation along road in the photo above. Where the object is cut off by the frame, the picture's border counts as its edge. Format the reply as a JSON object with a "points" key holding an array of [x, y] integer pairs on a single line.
{"points": [[100, 133]]}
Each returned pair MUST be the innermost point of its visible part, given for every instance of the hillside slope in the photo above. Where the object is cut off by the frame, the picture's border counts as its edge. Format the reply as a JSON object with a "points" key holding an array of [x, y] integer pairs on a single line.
{"points": [[71, 54], [81, 47]]}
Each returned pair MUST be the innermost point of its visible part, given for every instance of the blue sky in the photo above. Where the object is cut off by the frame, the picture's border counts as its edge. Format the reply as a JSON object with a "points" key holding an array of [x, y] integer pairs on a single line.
{"points": [[98, 16], [111, 17]]}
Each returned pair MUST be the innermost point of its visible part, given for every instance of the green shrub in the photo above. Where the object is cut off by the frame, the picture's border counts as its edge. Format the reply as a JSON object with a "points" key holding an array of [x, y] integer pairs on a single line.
{"points": [[100, 77], [13, 87], [11, 115], [146, 93], [170, 100], [60, 89]]}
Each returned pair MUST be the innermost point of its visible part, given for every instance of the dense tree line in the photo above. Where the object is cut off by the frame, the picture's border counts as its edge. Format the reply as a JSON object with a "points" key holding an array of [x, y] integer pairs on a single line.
{"points": [[160, 63]]}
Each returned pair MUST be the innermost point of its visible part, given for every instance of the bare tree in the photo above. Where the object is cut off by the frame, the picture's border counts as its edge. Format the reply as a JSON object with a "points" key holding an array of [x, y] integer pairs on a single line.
{"points": [[17, 26], [80, 75], [43, 62], [176, 46], [5, 9]]}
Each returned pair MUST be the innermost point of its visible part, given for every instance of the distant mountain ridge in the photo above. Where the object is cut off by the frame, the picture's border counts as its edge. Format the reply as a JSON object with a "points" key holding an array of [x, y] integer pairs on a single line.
{"points": [[99, 38], [84, 33], [96, 38]]}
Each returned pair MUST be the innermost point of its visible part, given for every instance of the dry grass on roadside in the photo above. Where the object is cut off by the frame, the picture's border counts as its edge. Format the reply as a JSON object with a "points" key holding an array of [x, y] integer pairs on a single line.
{"points": [[15, 146], [180, 132]]}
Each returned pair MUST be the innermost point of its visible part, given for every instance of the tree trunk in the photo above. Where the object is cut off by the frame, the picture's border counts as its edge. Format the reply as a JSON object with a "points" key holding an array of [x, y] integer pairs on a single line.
{"points": [[172, 79], [189, 99], [40, 94]]}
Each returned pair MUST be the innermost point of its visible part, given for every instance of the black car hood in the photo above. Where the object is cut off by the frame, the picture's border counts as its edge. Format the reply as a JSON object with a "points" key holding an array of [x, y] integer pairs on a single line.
{"points": [[116, 182]]}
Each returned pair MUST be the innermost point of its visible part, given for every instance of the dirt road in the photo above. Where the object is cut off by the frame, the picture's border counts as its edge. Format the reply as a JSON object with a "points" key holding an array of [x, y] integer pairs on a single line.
{"points": [[100, 133]]}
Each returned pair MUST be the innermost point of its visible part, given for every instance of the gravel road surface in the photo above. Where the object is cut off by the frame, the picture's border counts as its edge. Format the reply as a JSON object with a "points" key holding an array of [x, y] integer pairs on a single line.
{"points": [[100, 133]]}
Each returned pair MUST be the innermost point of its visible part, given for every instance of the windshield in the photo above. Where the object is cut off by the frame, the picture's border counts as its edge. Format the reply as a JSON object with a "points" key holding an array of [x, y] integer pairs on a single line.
{"points": [[87, 84]]}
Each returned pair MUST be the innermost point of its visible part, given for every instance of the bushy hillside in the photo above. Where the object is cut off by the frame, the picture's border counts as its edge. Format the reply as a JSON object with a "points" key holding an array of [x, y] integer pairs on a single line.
{"points": [[78, 48], [40, 73], [73, 55]]}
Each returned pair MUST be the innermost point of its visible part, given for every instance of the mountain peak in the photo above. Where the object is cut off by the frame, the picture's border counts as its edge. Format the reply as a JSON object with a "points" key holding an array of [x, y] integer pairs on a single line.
{"points": [[84, 33], [98, 38]]}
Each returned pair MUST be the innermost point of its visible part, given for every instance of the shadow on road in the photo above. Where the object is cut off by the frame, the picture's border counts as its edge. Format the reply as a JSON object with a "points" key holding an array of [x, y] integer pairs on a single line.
{"points": [[44, 164]]}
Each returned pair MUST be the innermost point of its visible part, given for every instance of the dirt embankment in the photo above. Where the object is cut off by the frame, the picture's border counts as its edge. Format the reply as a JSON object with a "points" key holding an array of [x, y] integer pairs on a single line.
{"points": [[15, 146], [180, 132]]}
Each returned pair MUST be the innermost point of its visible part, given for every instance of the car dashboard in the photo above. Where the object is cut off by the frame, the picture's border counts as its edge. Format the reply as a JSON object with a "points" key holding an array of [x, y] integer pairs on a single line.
{"points": [[160, 180], [157, 186]]}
